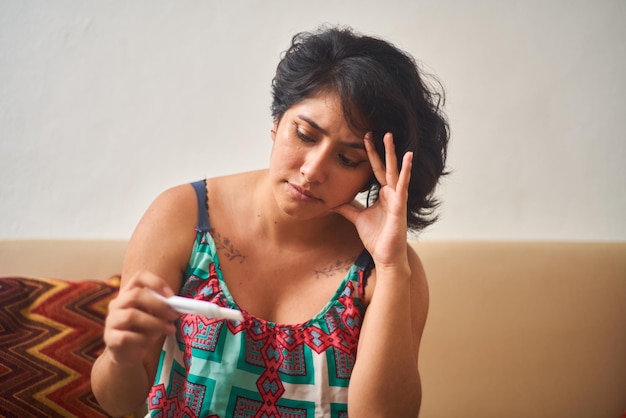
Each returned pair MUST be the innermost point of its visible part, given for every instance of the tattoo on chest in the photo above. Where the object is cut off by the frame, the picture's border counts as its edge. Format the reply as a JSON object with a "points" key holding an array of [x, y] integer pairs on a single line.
{"points": [[340, 266], [227, 248]]}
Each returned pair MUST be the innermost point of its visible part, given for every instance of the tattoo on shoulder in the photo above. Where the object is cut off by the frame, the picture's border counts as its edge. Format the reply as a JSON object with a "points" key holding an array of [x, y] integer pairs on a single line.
{"points": [[340, 266], [228, 249]]}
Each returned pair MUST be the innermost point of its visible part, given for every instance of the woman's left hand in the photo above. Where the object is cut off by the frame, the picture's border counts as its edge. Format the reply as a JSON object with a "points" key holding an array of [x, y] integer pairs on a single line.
{"points": [[382, 227]]}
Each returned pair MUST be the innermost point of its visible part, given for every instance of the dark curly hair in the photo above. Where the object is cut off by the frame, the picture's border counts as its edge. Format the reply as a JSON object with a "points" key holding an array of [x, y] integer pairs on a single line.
{"points": [[381, 90]]}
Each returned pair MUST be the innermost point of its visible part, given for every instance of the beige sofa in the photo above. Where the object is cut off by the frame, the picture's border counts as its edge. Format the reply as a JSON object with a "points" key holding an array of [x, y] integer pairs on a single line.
{"points": [[516, 329]]}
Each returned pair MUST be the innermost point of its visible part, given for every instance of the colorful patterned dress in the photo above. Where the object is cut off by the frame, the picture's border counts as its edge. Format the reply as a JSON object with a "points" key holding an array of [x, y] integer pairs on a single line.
{"points": [[256, 368]]}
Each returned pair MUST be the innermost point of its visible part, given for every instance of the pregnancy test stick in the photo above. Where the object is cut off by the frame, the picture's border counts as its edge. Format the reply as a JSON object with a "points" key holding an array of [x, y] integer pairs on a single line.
{"points": [[200, 307]]}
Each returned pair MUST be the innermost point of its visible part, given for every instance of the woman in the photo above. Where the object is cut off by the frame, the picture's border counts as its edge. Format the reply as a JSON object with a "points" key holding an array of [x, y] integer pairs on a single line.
{"points": [[316, 275]]}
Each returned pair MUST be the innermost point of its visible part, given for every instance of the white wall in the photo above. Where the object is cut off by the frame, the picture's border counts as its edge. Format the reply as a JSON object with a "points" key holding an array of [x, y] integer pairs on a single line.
{"points": [[103, 104]]}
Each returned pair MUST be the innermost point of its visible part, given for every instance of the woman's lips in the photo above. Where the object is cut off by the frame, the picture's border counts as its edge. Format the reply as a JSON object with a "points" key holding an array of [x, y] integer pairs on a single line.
{"points": [[300, 193]]}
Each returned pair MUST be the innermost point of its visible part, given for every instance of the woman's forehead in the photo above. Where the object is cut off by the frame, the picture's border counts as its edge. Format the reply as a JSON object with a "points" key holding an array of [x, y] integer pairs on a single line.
{"points": [[327, 104]]}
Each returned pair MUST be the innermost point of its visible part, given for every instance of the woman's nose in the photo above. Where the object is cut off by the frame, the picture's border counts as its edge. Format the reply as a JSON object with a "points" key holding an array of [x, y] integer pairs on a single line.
{"points": [[314, 168]]}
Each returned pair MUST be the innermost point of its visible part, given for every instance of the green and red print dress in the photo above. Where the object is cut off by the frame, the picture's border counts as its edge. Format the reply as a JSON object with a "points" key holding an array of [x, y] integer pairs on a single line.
{"points": [[256, 368]]}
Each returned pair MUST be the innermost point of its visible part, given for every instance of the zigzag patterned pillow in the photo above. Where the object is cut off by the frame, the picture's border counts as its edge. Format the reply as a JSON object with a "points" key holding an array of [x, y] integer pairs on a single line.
{"points": [[50, 335]]}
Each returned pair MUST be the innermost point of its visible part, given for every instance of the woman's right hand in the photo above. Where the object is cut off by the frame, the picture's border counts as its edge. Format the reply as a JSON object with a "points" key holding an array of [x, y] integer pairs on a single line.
{"points": [[137, 319]]}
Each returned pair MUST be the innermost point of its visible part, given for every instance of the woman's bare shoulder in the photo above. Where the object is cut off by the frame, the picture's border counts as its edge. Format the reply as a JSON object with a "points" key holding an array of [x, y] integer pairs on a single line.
{"points": [[174, 208], [171, 215], [232, 192], [226, 183]]}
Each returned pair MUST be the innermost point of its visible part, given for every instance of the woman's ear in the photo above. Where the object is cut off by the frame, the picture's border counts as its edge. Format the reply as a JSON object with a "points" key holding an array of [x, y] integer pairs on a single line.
{"points": [[273, 130]]}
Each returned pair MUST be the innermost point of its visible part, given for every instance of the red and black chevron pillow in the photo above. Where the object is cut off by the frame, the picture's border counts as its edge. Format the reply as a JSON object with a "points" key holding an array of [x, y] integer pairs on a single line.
{"points": [[50, 335]]}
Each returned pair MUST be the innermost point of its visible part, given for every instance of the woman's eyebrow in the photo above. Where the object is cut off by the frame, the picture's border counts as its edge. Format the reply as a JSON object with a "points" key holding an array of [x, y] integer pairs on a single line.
{"points": [[314, 125]]}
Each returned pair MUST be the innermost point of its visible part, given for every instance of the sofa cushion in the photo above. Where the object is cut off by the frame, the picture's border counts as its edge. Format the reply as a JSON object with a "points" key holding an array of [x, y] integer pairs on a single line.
{"points": [[50, 335]]}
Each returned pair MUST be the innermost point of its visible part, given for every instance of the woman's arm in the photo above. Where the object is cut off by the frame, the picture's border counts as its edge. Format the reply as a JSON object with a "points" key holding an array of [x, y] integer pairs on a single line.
{"points": [[385, 381], [137, 322]]}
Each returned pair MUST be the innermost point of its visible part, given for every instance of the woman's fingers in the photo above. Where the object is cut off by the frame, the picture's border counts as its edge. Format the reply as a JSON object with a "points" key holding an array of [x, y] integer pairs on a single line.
{"points": [[391, 162], [137, 318], [405, 173], [134, 328], [142, 313], [378, 167], [137, 295], [386, 173]]}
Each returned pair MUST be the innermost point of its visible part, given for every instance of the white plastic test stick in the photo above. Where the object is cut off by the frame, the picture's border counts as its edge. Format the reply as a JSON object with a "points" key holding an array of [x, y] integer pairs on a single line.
{"points": [[200, 307]]}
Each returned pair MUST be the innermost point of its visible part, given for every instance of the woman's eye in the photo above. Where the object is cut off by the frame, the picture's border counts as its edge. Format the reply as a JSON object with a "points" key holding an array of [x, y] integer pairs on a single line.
{"points": [[347, 162], [303, 137]]}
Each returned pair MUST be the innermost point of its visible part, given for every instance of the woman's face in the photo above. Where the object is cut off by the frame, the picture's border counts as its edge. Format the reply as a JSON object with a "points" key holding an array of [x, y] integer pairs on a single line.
{"points": [[317, 162]]}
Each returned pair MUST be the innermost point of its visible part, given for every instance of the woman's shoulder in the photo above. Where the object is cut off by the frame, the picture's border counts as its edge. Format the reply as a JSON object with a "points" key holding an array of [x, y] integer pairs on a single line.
{"points": [[172, 214], [183, 200], [232, 191], [174, 206], [234, 182]]}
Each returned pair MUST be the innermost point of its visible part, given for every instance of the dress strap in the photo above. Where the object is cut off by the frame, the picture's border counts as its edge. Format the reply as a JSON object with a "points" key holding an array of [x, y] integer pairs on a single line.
{"points": [[364, 262], [203, 206]]}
